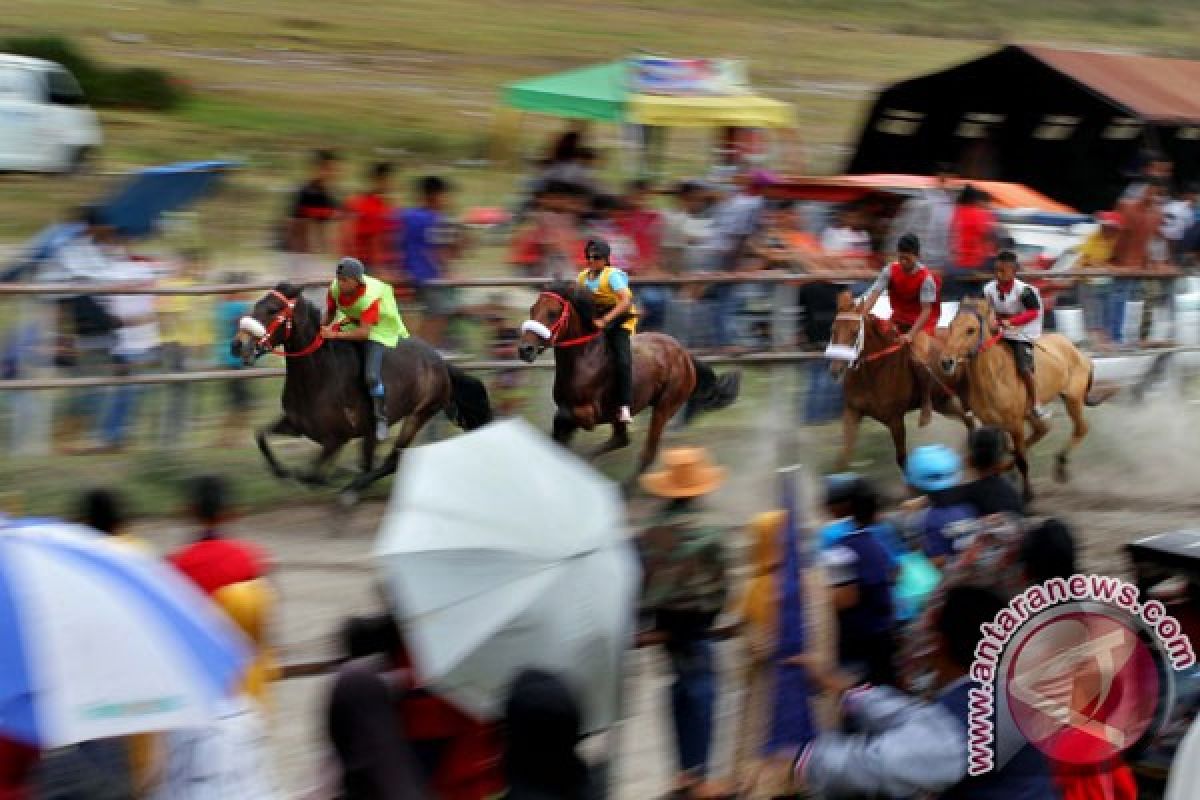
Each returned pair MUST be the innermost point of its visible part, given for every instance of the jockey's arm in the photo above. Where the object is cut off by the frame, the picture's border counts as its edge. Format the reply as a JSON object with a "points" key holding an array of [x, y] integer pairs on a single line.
{"points": [[359, 333], [361, 329], [876, 291], [624, 303]]}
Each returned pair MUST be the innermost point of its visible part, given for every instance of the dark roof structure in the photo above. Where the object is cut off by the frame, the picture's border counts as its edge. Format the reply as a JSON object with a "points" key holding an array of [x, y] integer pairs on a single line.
{"points": [[1071, 124]]}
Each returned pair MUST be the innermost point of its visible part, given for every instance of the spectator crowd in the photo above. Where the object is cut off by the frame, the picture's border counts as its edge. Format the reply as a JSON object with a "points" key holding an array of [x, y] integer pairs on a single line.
{"points": [[876, 707]]}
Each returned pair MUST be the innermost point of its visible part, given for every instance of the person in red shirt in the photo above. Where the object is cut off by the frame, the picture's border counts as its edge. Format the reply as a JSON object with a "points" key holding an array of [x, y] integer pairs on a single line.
{"points": [[913, 292], [972, 242], [213, 561], [367, 231]]}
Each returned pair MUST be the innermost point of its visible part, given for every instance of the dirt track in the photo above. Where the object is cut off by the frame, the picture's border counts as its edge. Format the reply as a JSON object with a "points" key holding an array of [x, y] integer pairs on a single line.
{"points": [[1133, 477]]}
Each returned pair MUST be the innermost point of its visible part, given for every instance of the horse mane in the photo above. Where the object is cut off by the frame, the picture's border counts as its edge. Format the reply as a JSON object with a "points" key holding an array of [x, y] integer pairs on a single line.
{"points": [[979, 305], [288, 289], [304, 310], [580, 300]]}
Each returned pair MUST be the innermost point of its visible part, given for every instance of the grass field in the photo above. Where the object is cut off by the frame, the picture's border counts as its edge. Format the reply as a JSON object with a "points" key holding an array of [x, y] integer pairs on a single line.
{"points": [[416, 81]]}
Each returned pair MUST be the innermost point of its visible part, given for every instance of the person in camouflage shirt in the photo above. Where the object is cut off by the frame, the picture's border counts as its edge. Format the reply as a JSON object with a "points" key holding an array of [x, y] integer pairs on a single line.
{"points": [[684, 591]]}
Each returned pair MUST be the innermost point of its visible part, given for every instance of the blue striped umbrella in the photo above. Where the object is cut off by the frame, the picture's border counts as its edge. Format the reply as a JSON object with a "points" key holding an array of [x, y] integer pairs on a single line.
{"points": [[99, 641]]}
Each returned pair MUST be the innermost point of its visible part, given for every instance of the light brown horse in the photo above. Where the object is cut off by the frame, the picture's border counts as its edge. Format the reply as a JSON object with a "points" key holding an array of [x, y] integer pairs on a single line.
{"points": [[995, 393], [878, 378], [665, 376]]}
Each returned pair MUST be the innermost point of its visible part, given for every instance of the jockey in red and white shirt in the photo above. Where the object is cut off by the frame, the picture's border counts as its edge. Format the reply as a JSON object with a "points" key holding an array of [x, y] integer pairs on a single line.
{"points": [[1019, 311], [913, 293]]}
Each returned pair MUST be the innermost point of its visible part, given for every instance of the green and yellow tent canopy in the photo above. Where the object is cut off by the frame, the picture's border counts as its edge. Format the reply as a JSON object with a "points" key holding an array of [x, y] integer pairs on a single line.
{"points": [[602, 93]]}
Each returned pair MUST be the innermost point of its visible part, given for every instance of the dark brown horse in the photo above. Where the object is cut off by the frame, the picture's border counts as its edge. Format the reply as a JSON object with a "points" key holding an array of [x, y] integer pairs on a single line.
{"points": [[665, 376], [323, 395], [879, 378]]}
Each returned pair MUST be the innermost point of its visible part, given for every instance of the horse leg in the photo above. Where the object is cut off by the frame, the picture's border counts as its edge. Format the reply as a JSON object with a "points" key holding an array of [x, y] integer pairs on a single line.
{"points": [[367, 455], [565, 426], [1040, 429], [1021, 462], [413, 424], [281, 427], [618, 439], [658, 422], [1079, 430], [315, 476], [851, 420], [899, 439]]}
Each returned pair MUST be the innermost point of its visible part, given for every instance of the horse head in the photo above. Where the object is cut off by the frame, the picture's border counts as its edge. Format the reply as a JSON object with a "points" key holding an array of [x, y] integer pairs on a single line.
{"points": [[847, 336], [968, 331], [271, 323], [560, 314]]}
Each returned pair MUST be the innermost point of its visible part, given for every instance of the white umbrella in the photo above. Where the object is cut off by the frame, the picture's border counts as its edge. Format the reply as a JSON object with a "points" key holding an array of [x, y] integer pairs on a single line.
{"points": [[502, 551], [99, 641]]}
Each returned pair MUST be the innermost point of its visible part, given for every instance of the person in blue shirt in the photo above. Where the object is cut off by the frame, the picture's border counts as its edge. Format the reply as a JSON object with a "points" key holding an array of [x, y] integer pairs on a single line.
{"points": [[861, 575], [944, 524], [426, 243], [840, 490]]}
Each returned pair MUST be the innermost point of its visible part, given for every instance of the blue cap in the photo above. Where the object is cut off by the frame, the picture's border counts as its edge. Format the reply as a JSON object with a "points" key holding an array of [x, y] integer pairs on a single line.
{"points": [[933, 468]]}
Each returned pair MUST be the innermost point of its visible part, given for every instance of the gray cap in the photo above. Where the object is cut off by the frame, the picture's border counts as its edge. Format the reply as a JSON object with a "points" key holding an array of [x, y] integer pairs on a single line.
{"points": [[351, 268]]}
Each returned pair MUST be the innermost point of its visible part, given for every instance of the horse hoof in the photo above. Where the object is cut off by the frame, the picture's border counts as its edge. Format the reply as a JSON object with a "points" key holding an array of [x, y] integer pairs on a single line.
{"points": [[348, 498]]}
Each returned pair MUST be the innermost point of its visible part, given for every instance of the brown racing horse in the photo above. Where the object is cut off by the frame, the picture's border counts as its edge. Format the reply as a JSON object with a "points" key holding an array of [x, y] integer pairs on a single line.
{"points": [[996, 395], [665, 376], [878, 379], [323, 395]]}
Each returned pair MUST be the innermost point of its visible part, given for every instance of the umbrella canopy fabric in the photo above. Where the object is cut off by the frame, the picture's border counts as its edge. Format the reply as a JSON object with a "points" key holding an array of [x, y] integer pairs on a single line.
{"points": [[502, 551], [739, 110], [597, 92], [602, 93], [99, 641]]}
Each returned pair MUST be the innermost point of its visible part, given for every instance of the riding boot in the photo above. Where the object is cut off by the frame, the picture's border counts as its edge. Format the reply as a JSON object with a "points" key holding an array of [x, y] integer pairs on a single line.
{"points": [[1035, 409], [381, 418]]}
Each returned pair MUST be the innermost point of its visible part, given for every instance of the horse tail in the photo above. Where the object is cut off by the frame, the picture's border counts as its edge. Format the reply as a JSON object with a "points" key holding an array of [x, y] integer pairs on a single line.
{"points": [[469, 407], [1095, 395], [713, 392]]}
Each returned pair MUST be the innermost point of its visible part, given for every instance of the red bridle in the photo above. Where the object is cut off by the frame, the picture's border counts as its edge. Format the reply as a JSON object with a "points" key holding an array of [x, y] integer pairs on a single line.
{"points": [[561, 323], [284, 318]]}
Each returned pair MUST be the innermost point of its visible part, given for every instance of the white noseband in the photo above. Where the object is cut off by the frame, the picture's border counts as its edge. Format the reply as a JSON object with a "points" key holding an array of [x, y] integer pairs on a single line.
{"points": [[252, 326], [536, 328]]}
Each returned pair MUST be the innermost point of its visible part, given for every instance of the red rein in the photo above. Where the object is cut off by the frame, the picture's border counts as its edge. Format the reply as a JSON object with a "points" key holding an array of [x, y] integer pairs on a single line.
{"points": [[561, 323], [284, 318]]}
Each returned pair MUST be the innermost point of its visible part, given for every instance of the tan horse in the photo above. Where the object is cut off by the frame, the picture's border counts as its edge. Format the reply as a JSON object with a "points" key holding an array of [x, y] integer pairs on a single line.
{"points": [[995, 393], [878, 378]]}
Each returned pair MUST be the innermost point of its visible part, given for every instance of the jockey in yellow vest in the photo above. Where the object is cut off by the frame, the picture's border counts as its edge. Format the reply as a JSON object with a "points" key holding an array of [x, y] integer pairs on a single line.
{"points": [[364, 310], [610, 291]]}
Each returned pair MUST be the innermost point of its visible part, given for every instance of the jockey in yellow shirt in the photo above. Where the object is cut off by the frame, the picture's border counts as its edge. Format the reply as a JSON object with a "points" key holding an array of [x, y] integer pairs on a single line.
{"points": [[609, 288]]}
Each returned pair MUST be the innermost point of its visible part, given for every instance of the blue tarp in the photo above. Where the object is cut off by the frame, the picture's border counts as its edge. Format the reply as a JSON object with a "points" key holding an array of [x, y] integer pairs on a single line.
{"points": [[134, 209]]}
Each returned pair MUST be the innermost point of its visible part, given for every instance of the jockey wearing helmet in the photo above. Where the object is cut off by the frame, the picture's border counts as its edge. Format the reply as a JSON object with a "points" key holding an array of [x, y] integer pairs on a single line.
{"points": [[364, 309], [609, 288], [913, 292], [1019, 310]]}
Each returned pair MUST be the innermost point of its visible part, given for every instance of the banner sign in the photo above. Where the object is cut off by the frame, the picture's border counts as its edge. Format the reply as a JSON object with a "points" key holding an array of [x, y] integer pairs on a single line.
{"points": [[686, 76]]}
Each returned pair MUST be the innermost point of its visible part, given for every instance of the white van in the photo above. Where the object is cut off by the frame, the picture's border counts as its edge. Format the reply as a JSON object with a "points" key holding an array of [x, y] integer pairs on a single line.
{"points": [[45, 124]]}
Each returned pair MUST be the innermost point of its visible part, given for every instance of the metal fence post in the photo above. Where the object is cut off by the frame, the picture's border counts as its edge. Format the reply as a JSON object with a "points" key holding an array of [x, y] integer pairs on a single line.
{"points": [[33, 414]]}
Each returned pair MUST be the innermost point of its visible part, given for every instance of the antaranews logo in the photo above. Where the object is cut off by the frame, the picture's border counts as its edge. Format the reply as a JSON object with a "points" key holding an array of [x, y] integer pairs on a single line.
{"points": [[1084, 667]]}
